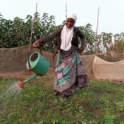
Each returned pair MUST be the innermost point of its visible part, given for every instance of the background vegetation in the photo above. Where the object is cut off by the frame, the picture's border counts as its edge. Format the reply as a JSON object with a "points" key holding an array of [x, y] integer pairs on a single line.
{"points": [[17, 32]]}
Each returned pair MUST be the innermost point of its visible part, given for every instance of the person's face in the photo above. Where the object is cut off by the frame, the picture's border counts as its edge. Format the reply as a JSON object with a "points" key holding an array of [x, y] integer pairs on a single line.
{"points": [[69, 22]]}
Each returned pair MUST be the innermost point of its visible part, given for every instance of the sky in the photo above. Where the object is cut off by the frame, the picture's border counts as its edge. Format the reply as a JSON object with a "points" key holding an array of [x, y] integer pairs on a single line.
{"points": [[111, 12]]}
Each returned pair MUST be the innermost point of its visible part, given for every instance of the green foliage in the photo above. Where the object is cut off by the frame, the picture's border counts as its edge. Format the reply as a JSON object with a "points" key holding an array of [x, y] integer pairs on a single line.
{"points": [[89, 36], [118, 47], [104, 42], [109, 119], [101, 103], [18, 32]]}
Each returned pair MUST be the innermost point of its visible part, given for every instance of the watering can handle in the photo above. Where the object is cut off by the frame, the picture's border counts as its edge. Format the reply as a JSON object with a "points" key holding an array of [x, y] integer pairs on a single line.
{"points": [[39, 49]]}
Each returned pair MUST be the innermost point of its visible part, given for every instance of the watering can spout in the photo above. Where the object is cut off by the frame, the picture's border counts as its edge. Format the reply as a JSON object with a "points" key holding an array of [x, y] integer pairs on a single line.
{"points": [[21, 84]]}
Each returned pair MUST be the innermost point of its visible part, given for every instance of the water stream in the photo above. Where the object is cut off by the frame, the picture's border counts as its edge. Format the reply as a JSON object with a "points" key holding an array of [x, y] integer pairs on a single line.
{"points": [[8, 95]]}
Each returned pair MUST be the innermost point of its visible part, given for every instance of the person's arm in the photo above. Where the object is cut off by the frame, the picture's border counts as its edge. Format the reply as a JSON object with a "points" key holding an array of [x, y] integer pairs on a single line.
{"points": [[47, 38], [51, 35], [82, 37]]}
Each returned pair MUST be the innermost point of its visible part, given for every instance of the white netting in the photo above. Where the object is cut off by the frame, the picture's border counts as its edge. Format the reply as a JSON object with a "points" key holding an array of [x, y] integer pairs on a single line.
{"points": [[108, 70], [13, 61]]}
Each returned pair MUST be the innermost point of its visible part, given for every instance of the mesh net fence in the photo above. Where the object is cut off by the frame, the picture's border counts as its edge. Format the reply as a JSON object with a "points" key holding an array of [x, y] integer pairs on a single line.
{"points": [[108, 70], [13, 62]]}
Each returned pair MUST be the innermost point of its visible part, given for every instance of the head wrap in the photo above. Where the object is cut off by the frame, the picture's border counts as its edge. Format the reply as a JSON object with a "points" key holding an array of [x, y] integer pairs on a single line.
{"points": [[73, 16], [67, 34]]}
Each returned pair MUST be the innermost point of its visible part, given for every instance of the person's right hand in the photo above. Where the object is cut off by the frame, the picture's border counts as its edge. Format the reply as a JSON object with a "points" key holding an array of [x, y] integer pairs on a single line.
{"points": [[36, 43], [80, 50]]}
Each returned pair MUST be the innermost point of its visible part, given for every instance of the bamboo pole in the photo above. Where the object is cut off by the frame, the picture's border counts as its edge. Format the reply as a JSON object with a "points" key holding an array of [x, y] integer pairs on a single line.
{"points": [[30, 45], [66, 10], [32, 30], [97, 31]]}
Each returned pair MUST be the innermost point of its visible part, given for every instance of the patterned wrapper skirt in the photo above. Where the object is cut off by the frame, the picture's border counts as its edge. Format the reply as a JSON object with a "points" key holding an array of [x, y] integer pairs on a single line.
{"points": [[69, 72]]}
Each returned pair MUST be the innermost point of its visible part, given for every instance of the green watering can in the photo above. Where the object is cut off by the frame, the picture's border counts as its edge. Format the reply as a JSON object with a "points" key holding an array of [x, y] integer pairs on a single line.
{"points": [[38, 64]]}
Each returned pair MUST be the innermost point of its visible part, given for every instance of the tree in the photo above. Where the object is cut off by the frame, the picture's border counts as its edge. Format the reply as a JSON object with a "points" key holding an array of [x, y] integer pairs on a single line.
{"points": [[89, 36], [104, 42], [17, 32], [118, 46]]}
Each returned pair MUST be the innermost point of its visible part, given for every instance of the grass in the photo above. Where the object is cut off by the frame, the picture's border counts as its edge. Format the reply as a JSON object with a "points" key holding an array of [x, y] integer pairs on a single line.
{"points": [[101, 103]]}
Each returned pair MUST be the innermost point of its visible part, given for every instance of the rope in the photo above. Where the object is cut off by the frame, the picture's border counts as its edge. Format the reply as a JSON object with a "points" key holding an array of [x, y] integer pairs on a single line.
{"points": [[15, 74]]}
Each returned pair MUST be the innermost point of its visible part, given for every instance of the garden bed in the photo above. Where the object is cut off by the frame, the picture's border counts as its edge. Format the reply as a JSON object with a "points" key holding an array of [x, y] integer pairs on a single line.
{"points": [[102, 102]]}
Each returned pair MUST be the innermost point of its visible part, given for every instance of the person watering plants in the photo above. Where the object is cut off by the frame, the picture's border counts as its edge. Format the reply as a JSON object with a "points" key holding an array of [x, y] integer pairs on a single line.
{"points": [[69, 71]]}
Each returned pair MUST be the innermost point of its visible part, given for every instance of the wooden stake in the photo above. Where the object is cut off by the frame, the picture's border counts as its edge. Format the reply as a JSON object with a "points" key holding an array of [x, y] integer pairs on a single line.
{"points": [[66, 10], [97, 30], [30, 45]]}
